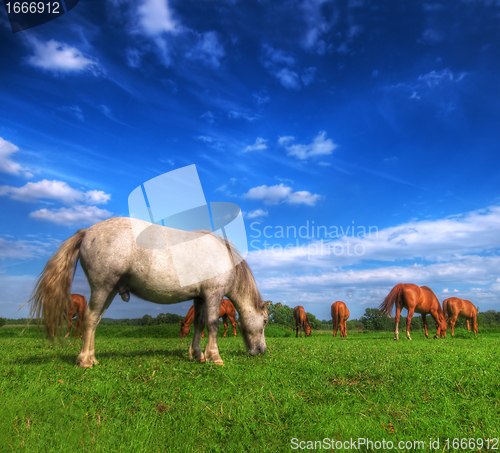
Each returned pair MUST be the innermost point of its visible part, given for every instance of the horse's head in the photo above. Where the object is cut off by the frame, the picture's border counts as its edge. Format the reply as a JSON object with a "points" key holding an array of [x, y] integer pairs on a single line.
{"points": [[307, 330], [443, 325], [252, 328], [184, 329]]}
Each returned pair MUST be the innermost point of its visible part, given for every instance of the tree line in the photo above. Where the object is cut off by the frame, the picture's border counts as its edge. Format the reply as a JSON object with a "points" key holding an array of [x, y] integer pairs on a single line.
{"points": [[280, 314]]}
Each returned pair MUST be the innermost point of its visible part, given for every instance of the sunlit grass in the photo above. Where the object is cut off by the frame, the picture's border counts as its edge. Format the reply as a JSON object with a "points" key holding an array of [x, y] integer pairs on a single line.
{"points": [[145, 395]]}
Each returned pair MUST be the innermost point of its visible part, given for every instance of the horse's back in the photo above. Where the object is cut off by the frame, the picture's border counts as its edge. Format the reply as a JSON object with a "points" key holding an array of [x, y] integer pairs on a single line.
{"points": [[156, 263]]}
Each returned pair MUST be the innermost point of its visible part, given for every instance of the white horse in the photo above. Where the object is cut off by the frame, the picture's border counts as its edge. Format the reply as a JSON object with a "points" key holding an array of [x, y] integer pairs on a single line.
{"points": [[156, 270]]}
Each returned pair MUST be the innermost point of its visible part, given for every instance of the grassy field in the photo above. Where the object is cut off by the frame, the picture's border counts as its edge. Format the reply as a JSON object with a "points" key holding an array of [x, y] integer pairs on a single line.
{"points": [[146, 396]]}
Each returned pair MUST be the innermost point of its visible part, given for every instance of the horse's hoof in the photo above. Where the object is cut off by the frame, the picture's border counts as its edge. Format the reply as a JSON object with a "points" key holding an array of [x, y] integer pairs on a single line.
{"points": [[220, 362], [202, 360]]}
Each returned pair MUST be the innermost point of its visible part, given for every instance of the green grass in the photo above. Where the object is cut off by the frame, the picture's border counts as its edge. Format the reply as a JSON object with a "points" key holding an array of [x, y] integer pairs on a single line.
{"points": [[145, 395]]}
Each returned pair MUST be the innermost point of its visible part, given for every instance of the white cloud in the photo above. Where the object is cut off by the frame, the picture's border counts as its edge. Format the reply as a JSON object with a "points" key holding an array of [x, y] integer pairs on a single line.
{"points": [[431, 240], [282, 65], [60, 57], [259, 145], [155, 17], [454, 255], [207, 49], [256, 213], [288, 78], [320, 146], [436, 78], [54, 190], [23, 249], [317, 26], [281, 193], [7, 149], [303, 197], [286, 139], [85, 215]]}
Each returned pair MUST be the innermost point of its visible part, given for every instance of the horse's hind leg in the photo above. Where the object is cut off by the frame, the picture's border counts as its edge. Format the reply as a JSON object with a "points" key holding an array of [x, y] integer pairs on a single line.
{"points": [[98, 304], [468, 325], [213, 302], [398, 314], [453, 320], [199, 325], [424, 320], [411, 311]]}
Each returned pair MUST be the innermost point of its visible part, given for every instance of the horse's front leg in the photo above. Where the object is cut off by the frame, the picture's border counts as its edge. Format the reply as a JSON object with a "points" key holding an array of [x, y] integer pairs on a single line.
{"points": [[70, 323], [213, 309], [226, 322], [199, 325], [468, 325]]}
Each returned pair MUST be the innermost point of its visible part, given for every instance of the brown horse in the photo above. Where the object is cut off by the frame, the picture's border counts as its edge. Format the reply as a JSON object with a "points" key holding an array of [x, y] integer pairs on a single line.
{"points": [[76, 307], [340, 313], [301, 321], [416, 299], [227, 312], [455, 307]]}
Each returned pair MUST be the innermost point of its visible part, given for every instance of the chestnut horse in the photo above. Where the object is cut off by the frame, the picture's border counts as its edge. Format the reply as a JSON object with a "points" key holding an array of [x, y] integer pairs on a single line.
{"points": [[76, 307], [301, 321], [227, 313], [416, 299], [455, 307], [340, 313]]}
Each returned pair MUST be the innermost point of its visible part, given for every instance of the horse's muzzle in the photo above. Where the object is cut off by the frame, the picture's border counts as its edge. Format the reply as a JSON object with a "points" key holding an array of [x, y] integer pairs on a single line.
{"points": [[258, 350]]}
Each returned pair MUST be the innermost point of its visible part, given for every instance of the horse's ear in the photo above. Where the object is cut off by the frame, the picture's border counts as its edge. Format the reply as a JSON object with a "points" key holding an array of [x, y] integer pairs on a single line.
{"points": [[266, 304]]}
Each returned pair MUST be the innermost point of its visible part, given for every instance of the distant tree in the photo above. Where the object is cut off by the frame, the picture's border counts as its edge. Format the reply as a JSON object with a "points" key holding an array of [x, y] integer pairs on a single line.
{"points": [[374, 319], [3, 321], [314, 323], [280, 314], [147, 320]]}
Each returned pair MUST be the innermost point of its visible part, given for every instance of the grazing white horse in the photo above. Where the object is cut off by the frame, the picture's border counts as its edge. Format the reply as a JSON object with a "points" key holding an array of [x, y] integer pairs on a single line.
{"points": [[168, 266]]}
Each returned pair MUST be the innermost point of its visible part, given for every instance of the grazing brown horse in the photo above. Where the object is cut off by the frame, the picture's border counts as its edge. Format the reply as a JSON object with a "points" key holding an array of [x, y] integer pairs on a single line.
{"points": [[227, 312], [76, 307], [340, 313], [455, 307], [301, 321], [416, 299]]}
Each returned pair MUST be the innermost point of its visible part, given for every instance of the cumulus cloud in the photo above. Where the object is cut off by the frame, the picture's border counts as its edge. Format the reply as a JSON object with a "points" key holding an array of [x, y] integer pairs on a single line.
{"points": [[54, 190], [282, 65], [259, 145], [256, 213], [24, 249], [281, 194], [156, 17], [317, 27], [207, 49], [7, 165], [320, 146], [78, 215], [456, 254], [60, 57]]}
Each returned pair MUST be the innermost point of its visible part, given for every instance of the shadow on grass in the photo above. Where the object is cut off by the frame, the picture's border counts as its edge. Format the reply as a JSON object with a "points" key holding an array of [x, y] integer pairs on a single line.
{"points": [[71, 359]]}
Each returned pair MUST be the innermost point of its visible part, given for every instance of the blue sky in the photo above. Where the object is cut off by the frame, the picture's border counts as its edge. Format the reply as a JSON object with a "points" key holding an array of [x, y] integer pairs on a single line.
{"points": [[382, 116]]}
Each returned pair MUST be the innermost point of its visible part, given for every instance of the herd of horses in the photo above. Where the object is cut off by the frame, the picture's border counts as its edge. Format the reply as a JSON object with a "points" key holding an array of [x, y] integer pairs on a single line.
{"points": [[404, 295], [129, 256]]}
